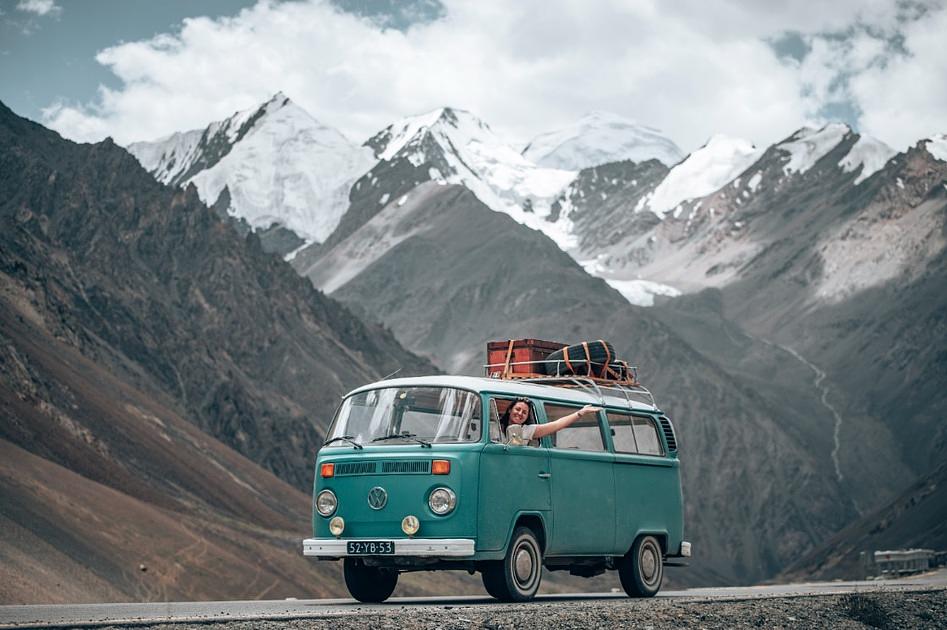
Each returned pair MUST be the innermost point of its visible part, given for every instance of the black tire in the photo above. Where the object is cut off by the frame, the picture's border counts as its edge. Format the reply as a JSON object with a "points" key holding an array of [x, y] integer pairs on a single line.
{"points": [[370, 585], [493, 580], [642, 569], [516, 578]]}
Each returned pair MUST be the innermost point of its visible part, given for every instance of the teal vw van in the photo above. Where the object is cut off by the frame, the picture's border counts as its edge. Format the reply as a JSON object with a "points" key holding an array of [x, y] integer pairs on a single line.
{"points": [[414, 476]]}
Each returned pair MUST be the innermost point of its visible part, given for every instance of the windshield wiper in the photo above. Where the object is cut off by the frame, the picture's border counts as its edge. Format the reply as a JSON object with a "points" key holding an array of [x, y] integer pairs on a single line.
{"points": [[404, 436], [344, 438]]}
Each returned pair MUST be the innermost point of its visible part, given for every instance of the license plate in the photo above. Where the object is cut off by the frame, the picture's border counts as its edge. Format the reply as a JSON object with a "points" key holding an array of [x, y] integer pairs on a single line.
{"points": [[370, 547]]}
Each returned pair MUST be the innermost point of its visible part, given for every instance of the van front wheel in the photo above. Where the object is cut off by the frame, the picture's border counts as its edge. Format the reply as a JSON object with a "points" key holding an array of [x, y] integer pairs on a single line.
{"points": [[369, 585], [516, 578], [642, 569]]}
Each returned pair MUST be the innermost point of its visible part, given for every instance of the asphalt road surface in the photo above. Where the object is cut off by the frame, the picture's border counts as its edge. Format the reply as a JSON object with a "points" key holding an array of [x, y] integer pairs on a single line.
{"points": [[90, 615]]}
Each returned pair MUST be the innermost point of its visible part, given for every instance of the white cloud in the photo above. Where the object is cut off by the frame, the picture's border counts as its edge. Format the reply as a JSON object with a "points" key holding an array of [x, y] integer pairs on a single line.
{"points": [[39, 7], [694, 69], [905, 99]]}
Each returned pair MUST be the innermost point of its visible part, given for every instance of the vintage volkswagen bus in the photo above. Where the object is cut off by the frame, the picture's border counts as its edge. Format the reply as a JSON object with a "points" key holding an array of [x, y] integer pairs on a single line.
{"points": [[414, 476]]}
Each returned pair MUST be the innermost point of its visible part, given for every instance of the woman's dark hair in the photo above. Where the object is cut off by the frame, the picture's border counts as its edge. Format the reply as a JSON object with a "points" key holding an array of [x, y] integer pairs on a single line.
{"points": [[505, 418]]}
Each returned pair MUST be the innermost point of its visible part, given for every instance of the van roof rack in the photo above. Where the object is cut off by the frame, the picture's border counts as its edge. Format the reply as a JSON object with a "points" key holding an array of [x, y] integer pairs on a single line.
{"points": [[599, 387]]}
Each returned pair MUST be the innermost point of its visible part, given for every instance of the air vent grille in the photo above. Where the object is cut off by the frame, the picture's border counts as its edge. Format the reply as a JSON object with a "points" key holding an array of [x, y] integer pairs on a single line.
{"points": [[410, 466], [355, 468], [668, 429]]}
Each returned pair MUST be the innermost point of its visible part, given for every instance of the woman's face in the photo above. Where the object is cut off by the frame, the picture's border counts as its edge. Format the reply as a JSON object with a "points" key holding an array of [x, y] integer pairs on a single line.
{"points": [[519, 413]]}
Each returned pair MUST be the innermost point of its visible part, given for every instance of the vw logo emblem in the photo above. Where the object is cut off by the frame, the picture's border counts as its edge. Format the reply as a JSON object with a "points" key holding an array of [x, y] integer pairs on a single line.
{"points": [[377, 498]]}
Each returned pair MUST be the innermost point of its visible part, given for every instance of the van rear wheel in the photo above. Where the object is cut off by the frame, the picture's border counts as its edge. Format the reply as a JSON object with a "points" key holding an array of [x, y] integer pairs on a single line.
{"points": [[516, 578], [642, 569], [369, 585]]}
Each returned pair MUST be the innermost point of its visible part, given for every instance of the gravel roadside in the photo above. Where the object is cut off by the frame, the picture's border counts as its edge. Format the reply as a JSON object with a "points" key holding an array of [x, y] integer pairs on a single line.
{"points": [[881, 610]]}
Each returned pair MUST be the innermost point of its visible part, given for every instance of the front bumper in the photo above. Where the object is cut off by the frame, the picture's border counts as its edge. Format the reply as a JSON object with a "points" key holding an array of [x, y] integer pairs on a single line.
{"points": [[423, 547]]}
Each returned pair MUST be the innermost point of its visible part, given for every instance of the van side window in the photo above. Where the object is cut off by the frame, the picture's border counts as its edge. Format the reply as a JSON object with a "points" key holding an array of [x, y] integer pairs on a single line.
{"points": [[585, 434], [623, 434], [646, 435]]}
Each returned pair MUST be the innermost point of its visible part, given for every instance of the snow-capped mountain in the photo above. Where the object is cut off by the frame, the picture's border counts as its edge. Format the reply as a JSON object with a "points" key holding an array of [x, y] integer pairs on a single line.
{"points": [[276, 163], [701, 173], [936, 145], [459, 148], [600, 138], [699, 224]]}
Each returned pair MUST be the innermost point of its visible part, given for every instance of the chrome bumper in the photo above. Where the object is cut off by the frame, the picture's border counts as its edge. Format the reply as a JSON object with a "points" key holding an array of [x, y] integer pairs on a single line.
{"points": [[437, 547]]}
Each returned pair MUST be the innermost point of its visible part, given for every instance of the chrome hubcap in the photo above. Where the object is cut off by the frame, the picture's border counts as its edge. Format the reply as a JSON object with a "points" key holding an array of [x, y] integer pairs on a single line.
{"points": [[648, 564], [523, 564]]}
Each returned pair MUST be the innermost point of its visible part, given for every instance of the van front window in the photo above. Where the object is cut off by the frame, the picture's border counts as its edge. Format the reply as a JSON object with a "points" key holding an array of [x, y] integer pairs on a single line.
{"points": [[408, 414]]}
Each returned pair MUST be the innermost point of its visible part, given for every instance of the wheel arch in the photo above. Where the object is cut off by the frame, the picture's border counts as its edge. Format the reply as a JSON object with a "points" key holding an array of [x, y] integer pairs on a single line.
{"points": [[660, 535], [534, 521]]}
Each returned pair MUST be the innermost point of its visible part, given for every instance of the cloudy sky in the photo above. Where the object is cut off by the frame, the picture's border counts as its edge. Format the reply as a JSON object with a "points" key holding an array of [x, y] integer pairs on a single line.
{"points": [[138, 70]]}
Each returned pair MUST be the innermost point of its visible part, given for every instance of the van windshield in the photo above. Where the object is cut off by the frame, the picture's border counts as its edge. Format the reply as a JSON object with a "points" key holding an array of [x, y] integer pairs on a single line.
{"points": [[431, 414]]}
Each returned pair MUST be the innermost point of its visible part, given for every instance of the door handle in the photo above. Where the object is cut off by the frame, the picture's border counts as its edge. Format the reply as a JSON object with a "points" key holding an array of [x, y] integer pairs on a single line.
{"points": [[544, 475]]}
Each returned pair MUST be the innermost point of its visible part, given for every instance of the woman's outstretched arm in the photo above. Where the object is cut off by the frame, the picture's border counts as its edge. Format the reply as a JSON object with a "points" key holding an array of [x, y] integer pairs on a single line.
{"points": [[551, 427]]}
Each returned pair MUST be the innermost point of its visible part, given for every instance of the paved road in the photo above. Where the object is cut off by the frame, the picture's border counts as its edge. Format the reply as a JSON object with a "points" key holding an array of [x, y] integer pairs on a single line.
{"points": [[109, 614]]}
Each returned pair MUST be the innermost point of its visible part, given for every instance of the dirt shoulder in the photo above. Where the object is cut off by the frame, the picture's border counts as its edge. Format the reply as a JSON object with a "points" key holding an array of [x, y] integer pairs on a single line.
{"points": [[880, 610]]}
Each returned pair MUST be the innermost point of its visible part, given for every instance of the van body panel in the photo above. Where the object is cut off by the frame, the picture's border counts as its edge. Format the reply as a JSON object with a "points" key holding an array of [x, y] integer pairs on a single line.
{"points": [[649, 491], [583, 502], [511, 483]]}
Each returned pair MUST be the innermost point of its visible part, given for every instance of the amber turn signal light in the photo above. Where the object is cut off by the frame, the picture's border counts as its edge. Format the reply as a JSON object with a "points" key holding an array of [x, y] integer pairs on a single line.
{"points": [[327, 470], [440, 466]]}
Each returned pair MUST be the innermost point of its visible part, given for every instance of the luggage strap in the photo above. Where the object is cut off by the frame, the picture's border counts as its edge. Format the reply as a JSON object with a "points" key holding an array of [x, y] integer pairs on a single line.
{"points": [[608, 359], [506, 364], [588, 358]]}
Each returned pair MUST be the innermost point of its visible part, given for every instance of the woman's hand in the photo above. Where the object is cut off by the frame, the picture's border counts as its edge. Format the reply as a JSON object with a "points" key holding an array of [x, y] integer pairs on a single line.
{"points": [[588, 410]]}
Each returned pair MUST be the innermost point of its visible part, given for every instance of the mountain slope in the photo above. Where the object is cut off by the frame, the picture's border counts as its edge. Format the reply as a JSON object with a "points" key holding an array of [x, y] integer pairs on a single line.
{"points": [[245, 348], [275, 164], [915, 519], [98, 479], [107, 493]]}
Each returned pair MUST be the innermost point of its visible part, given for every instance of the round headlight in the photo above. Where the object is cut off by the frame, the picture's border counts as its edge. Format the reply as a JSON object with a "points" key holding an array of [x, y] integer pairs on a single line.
{"points": [[410, 525], [337, 526], [326, 503], [442, 501]]}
